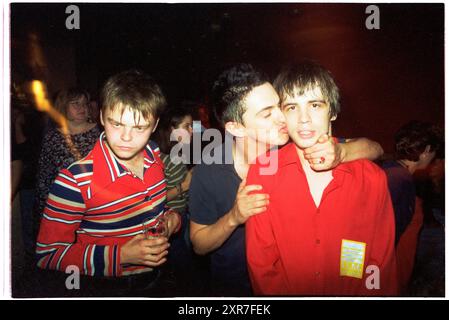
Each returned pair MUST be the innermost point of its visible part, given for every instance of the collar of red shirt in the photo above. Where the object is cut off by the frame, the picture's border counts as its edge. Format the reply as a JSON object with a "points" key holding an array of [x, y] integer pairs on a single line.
{"points": [[115, 169], [290, 156]]}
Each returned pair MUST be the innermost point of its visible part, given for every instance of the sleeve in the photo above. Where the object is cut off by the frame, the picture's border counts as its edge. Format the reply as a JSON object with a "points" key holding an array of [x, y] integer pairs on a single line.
{"points": [[58, 246], [201, 202], [383, 245], [264, 263]]}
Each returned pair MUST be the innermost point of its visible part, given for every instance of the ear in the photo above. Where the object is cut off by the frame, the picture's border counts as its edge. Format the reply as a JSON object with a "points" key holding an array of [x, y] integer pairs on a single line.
{"points": [[334, 117], [101, 118], [235, 128], [155, 126], [330, 129]]}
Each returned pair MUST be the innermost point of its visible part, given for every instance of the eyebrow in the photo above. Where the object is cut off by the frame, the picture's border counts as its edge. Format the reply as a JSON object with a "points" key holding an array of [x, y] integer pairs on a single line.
{"points": [[289, 103], [312, 101], [136, 126]]}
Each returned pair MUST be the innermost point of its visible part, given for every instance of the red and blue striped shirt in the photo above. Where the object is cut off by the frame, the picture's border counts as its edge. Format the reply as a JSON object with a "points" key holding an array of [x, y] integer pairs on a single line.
{"points": [[94, 207]]}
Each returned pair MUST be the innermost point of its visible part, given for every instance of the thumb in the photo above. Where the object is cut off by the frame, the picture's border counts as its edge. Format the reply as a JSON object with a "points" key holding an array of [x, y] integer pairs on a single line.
{"points": [[242, 185], [323, 138], [139, 237]]}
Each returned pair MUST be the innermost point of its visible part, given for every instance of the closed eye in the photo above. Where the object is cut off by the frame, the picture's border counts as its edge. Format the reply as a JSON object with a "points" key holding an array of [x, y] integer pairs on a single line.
{"points": [[290, 107]]}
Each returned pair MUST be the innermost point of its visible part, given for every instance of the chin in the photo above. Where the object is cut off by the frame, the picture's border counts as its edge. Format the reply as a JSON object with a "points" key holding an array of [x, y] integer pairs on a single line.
{"points": [[304, 144], [124, 155]]}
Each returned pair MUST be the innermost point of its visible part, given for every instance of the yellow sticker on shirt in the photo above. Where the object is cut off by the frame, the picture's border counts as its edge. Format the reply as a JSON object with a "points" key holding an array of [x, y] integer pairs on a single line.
{"points": [[352, 258]]}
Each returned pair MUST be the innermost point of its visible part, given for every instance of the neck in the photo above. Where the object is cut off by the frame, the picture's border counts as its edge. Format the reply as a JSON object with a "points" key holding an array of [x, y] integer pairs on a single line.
{"points": [[77, 127], [135, 164], [244, 153]]}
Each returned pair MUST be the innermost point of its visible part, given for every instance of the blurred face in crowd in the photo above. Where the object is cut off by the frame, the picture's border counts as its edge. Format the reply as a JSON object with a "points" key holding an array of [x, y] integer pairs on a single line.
{"points": [[185, 129], [308, 117], [127, 133], [78, 109]]}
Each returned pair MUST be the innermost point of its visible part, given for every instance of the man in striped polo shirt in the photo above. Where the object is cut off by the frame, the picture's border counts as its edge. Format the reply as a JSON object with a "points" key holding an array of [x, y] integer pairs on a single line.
{"points": [[97, 207]]}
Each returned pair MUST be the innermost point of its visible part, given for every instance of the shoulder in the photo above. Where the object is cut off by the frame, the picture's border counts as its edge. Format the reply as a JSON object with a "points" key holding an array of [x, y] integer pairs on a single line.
{"points": [[51, 134], [207, 171], [154, 147], [212, 178], [267, 165], [83, 167], [367, 171], [95, 130]]}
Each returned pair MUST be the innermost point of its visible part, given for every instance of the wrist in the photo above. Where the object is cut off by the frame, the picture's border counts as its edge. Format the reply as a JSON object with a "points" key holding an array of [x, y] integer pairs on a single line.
{"points": [[179, 188], [122, 255], [232, 221], [174, 221]]}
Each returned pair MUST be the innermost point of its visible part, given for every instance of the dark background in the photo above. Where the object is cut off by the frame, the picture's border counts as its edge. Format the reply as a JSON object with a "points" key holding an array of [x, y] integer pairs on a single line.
{"points": [[387, 76]]}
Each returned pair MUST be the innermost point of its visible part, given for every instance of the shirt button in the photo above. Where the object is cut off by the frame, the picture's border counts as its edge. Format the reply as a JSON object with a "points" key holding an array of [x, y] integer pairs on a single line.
{"points": [[317, 241], [317, 274], [317, 211]]}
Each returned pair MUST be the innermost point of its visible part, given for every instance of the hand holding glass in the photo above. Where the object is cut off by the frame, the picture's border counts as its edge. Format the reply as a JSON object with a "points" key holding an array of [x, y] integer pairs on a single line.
{"points": [[157, 229]]}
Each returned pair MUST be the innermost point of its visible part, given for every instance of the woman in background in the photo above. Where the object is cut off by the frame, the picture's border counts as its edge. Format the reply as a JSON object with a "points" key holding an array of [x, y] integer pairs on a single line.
{"points": [[71, 139], [175, 127]]}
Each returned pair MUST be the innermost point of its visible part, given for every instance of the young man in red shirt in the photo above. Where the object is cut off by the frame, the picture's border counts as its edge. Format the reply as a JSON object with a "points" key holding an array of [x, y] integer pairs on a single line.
{"points": [[324, 232], [99, 206]]}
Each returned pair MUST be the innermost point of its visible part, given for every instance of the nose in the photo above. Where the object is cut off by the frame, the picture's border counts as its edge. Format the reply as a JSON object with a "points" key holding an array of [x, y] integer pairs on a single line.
{"points": [[304, 116], [280, 117], [126, 134]]}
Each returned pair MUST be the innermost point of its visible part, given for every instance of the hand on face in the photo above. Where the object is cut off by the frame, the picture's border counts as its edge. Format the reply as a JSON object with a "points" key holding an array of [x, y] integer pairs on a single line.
{"points": [[324, 155]]}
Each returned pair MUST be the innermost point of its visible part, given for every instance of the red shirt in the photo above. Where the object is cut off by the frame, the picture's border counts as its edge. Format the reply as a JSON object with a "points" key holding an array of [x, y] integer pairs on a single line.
{"points": [[295, 248]]}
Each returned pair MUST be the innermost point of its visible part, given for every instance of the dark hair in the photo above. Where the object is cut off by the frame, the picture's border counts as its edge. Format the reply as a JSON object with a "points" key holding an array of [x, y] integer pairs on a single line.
{"points": [[230, 90], [65, 96], [307, 75], [170, 118], [413, 138], [135, 90]]}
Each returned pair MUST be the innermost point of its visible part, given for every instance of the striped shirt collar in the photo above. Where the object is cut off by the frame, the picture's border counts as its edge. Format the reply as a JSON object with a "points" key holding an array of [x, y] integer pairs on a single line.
{"points": [[115, 168]]}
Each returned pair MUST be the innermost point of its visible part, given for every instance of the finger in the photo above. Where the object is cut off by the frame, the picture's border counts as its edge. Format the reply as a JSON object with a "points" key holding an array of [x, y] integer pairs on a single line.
{"points": [[258, 197], [323, 138], [140, 236], [260, 204], [317, 147], [319, 161], [258, 210], [250, 188], [153, 263], [322, 166], [155, 242], [315, 155], [159, 249], [156, 257]]}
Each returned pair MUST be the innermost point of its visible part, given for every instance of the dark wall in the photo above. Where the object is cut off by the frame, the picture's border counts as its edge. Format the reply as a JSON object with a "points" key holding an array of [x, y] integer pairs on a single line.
{"points": [[387, 76]]}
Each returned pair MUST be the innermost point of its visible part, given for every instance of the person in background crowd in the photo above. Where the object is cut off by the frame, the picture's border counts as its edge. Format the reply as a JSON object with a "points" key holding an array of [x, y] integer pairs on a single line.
{"points": [[416, 145], [175, 127], [26, 140], [70, 140]]}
